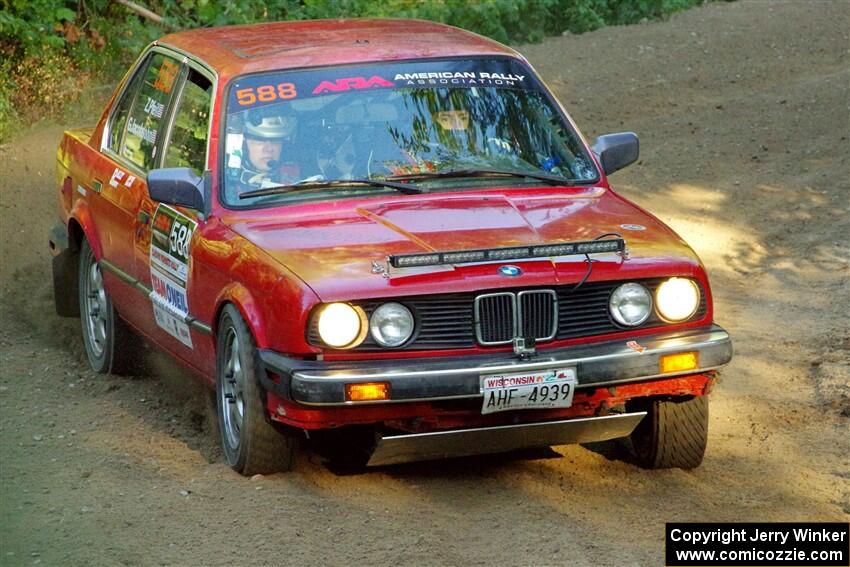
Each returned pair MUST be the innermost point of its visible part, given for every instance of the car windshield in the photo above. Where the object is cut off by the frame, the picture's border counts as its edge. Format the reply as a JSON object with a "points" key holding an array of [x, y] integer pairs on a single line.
{"points": [[295, 136]]}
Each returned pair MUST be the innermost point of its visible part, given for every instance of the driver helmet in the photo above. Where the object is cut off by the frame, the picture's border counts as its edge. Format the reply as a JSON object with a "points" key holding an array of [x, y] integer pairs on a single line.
{"points": [[271, 128]]}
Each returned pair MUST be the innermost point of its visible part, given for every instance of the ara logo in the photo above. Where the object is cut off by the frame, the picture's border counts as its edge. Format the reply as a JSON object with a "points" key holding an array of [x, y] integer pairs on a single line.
{"points": [[510, 271], [351, 83]]}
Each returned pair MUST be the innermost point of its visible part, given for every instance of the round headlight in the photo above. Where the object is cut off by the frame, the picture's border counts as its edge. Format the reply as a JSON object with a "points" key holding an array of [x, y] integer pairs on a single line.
{"points": [[677, 299], [342, 325], [391, 324], [630, 304]]}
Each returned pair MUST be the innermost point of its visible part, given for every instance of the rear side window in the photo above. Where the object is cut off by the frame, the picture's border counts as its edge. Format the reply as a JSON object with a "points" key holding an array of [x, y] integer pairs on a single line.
{"points": [[188, 144], [122, 110], [146, 120]]}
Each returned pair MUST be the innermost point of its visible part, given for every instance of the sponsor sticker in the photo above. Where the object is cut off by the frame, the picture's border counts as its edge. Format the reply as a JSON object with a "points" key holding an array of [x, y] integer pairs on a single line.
{"points": [[635, 346], [166, 75], [154, 107], [272, 88], [351, 83], [140, 130], [173, 294], [116, 178], [171, 237], [467, 79], [171, 322]]}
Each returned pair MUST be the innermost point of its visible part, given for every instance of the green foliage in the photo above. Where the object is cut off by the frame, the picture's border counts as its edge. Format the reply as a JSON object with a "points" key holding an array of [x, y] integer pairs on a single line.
{"points": [[7, 113], [50, 49]]}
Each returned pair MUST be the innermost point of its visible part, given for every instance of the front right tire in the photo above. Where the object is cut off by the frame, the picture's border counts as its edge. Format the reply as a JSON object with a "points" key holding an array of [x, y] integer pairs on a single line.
{"points": [[250, 442], [674, 433]]}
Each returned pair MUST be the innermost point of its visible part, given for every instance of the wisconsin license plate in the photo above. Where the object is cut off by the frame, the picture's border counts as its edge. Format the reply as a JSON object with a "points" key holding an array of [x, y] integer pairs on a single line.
{"points": [[530, 390]]}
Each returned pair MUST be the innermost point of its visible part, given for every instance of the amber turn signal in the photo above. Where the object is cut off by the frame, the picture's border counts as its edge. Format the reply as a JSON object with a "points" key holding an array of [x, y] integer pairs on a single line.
{"points": [[367, 391], [679, 362]]}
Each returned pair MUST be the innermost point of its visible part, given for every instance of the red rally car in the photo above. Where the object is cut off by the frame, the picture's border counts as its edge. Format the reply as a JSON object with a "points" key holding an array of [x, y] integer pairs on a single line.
{"points": [[383, 234]]}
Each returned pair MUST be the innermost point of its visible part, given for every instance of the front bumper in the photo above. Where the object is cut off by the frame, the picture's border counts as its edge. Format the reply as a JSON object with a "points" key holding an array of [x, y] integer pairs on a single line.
{"points": [[320, 383]]}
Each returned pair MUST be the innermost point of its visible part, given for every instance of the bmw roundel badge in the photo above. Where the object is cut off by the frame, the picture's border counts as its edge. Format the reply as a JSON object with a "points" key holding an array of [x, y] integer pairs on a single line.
{"points": [[510, 271]]}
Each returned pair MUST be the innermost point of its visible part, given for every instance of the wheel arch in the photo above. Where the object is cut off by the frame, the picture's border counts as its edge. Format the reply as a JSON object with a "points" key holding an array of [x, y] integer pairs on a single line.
{"points": [[65, 268], [243, 300], [81, 225]]}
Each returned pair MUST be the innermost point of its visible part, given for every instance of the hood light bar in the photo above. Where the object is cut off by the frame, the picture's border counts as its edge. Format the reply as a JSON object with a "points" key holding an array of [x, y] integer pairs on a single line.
{"points": [[509, 253]]}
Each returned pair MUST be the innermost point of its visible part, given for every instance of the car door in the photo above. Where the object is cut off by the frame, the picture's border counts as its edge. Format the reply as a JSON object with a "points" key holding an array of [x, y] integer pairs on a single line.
{"points": [[131, 146], [165, 233]]}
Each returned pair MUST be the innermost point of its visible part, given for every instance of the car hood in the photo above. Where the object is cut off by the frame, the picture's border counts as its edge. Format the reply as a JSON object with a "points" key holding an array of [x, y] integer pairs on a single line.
{"points": [[339, 249]]}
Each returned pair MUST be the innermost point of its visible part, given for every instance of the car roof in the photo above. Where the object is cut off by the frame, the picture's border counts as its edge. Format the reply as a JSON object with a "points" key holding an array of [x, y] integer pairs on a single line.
{"points": [[236, 50]]}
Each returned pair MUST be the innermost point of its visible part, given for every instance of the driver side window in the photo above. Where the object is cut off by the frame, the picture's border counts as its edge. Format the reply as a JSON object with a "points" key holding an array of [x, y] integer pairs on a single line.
{"points": [[187, 146]]}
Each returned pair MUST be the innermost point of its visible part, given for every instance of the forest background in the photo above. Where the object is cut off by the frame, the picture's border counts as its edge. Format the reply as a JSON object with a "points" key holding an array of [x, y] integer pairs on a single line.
{"points": [[56, 54]]}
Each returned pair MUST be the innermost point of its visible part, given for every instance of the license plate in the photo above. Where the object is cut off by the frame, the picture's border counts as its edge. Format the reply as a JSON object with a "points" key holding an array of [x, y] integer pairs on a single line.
{"points": [[529, 390]]}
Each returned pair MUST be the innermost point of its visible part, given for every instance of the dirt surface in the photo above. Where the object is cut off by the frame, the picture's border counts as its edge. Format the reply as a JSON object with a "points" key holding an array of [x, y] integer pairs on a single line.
{"points": [[742, 110]]}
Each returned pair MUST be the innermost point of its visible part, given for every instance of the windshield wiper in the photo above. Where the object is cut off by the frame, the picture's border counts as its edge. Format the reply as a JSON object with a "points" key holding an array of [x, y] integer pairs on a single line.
{"points": [[405, 188], [551, 179]]}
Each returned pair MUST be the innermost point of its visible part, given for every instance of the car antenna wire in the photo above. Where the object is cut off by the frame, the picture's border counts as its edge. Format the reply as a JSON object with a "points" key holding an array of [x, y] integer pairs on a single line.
{"points": [[590, 261]]}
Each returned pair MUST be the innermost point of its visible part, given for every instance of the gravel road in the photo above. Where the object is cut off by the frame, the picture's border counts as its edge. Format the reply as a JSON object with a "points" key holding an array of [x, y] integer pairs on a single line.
{"points": [[743, 112]]}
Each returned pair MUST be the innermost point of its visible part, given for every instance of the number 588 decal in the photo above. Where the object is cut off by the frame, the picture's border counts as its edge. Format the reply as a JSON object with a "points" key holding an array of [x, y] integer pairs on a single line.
{"points": [[179, 239], [171, 236], [265, 93]]}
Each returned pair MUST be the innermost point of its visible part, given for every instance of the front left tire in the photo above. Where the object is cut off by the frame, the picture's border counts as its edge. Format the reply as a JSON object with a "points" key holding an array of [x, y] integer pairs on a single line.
{"points": [[251, 444]]}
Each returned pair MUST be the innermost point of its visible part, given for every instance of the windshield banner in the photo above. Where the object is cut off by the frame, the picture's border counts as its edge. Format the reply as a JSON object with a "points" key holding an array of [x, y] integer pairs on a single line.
{"points": [[271, 88]]}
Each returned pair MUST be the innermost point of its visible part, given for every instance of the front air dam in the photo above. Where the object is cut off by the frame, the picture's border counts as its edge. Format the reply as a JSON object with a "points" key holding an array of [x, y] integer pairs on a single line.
{"points": [[482, 440]]}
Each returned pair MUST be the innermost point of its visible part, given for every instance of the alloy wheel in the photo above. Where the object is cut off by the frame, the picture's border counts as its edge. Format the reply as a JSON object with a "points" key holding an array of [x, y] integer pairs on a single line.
{"points": [[232, 391]]}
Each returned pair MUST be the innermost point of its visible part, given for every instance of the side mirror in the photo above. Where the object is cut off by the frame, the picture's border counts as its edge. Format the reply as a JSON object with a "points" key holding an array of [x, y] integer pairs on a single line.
{"points": [[177, 186], [616, 151]]}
